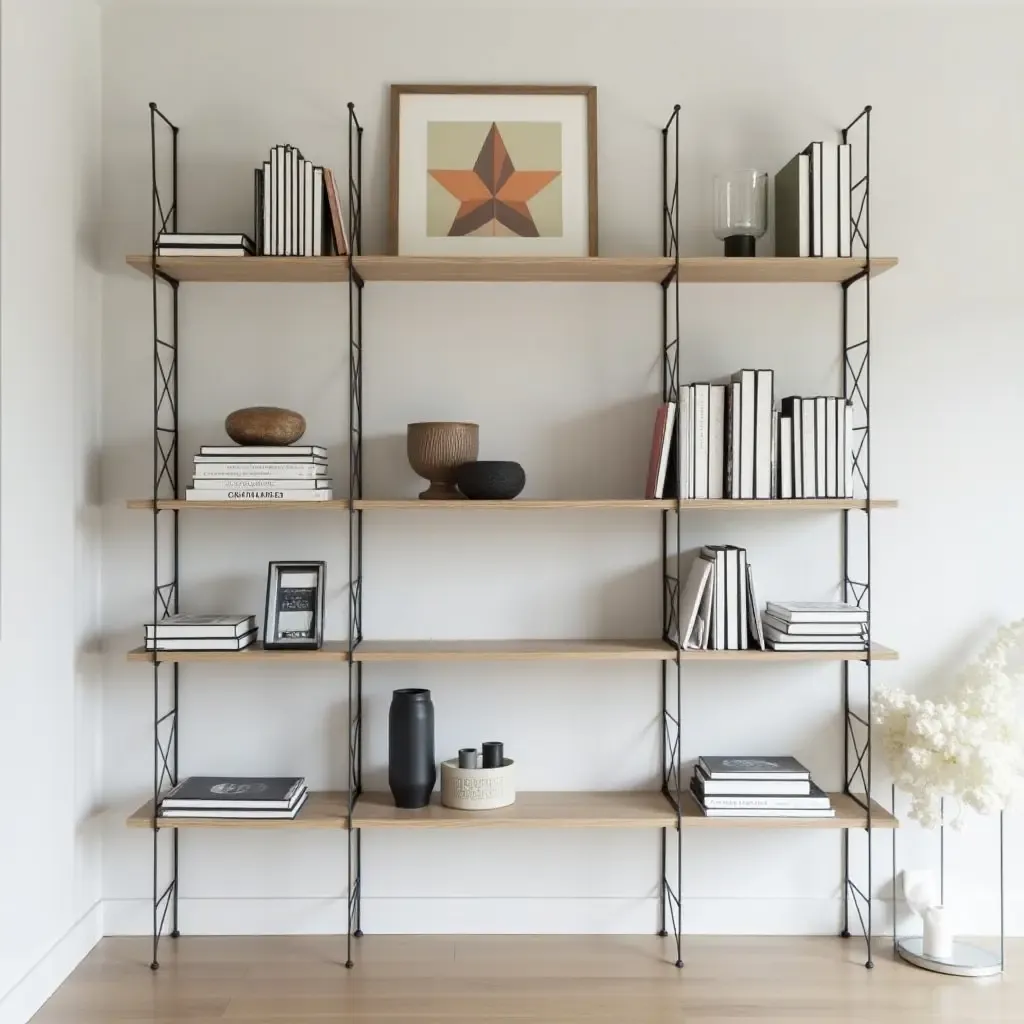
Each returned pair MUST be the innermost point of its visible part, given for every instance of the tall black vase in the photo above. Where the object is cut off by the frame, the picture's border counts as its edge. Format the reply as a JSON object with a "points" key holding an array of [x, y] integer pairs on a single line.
{"points": [[412, 771]]}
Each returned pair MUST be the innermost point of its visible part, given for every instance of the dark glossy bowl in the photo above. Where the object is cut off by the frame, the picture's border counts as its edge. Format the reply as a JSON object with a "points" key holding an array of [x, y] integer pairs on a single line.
{"points": [[491, 481]]}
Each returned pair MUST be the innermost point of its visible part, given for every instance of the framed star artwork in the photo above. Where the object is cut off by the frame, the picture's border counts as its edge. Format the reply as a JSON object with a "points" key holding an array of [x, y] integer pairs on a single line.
{"points": [[499, 170]]}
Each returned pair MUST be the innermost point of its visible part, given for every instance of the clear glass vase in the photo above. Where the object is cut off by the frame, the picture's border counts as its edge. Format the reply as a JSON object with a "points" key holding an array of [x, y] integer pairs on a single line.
{"points": [[741, 210]]}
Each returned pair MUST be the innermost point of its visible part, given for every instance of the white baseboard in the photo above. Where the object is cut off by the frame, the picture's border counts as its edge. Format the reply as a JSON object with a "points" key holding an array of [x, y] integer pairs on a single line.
{"points": [[532, 916], [43, 980]]}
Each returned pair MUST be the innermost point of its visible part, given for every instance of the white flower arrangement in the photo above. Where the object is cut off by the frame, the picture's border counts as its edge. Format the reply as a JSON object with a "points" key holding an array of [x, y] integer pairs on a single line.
{"points": [[968, 747]]}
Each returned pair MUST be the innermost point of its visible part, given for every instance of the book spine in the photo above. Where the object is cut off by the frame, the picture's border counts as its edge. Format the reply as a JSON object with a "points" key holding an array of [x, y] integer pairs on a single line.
{"points": [[820, 446], [845, 181], [296, 194], [762, 803], [265, 248], [773, 480], [807, 457], [655, 474], [716, 442], [748, 425], [848, 449], [269, 483], [786, 457], [732, 440], [260, 470], [742, 599], [764, 386], [830, 199], [831, 447], [318, 211], [701, 450], [258, 494], [684, 440], [817, 199], [281, 204]]}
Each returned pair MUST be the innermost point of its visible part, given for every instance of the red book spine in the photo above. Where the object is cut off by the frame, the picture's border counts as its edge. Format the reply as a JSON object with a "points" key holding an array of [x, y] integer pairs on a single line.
{"points": [[657, 444]]}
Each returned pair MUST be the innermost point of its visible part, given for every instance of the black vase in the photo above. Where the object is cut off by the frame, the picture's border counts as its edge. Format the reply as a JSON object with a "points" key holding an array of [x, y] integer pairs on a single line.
{"points": [[412, 770]]}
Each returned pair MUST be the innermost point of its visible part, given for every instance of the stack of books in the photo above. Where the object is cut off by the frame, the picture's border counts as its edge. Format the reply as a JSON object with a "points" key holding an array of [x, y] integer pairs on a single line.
{"points": [[297, 207], [757, 787], [232, 472], [732, 441], [175, 243], [201, 633], [229, 796], [815, 626], [718, 607], [812, 202]]}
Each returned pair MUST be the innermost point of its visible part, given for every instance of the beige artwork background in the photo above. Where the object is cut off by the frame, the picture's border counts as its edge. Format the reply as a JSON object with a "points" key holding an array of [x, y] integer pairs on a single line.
{"points": [[531, 145]]}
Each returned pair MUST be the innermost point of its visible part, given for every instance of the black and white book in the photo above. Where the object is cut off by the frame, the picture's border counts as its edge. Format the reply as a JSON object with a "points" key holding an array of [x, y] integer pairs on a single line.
{"points": [[747, 380], [205, 240], [704, 787], [793, 208], [701, 399], [262, 493], [816, 611], [223, 469], [754, 626], [764, 382], [808, 449], [816, 800], [845, 183], [820, 446], [260, 451], [849, 451], [719, 634], [736, 610], [243, 815], [263, 460], [716, 442], [280, 159], [781, 640], [201, 626], [832, 448], [763, 813], [817, 190], [236, 792], [239, 643], [266, 195], [733, 407], [319, 206], [812, 629], [830, 199], [753, 768], [809, 644], [792, 409], [270, 483], [785, 449], [202, 250]]}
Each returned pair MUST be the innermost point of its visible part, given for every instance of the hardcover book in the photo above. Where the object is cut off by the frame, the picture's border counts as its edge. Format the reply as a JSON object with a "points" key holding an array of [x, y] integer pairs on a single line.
{"points": [[220, 643], [748, 787], [197, 626], [249, 815], [236, 791], [735, 767], [815, 800]]}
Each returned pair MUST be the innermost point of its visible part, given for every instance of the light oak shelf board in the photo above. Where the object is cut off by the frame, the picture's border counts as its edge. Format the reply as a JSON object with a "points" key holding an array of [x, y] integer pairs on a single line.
{"points": [[777, 269], [629, 809], [336, 505], [321, 810], [584, 650], [255, 269], [332, 650], [639, 504], [623, 269], [849, 814]]}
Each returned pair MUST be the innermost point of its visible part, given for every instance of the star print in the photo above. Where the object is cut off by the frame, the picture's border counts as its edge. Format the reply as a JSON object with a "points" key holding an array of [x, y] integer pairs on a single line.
{"points": [[494, 193]]}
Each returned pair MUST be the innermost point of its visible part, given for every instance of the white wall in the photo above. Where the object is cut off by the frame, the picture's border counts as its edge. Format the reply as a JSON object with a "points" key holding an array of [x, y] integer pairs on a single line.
{"points": [[49, 497], [563, 379]]}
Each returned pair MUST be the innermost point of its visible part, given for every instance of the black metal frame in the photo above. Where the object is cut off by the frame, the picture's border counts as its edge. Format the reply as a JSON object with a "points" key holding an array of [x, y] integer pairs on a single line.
{"points": [[671, 746], [856, 543], [355, 528], [163, 217]]}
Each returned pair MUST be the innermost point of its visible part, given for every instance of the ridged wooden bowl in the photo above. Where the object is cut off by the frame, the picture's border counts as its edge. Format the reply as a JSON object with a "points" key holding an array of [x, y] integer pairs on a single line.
{"points": [[265, 424], [436, 450]]}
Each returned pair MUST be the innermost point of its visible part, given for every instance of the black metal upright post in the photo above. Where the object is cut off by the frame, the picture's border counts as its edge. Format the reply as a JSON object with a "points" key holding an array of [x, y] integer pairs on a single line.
{"points": [[671, 747], [355, 528], [164, 217], [856, 353]]}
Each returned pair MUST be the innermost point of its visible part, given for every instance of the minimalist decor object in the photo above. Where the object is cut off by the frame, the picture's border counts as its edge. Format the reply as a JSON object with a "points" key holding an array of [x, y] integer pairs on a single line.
{"points": [[437, 450], [295, 606], [741, 210], [265, 424], [491, 481], [412, 770], [503, 170], [494, 754], [467, 757], [477, 789]]}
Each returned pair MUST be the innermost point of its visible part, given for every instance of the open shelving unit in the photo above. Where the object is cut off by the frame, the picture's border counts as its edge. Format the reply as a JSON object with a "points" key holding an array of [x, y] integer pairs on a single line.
{"points": [[670, 810]]}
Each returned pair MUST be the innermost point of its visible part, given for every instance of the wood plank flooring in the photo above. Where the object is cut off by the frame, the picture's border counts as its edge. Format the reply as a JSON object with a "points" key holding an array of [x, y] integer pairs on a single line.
{"points": [[489, 978]]}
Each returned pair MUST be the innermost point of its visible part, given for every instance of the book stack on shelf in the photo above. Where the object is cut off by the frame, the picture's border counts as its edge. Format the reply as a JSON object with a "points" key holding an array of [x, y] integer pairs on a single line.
{"points": [[812, 202], [297, 207], [814, 626], [201, 633], [232, 472], [757, 787], [733, 441], [718, 610], [229, 797], [177, 243]]}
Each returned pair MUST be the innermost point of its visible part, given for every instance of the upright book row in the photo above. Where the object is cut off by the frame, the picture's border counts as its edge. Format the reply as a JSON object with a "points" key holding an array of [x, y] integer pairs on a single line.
{"points": [[813, 202], [731, 441]]}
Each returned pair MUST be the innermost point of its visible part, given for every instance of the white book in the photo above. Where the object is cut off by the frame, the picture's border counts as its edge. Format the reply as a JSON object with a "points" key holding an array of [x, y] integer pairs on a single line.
{"points": [[764, 382], [786, 457], [785, 639], [710, 812], [701, 427], [284, 186], [831, 447], [813, 629], [196, 626], [817, 611], [820, 447], [803, 645], [845, 181], [716, 442], [693, 628], [307, 209], [718, 639], [263, 493], [268, 483], [237, 643], [706, 616], [851, 439], [684, 439], [773, 482], [268, 208], [318, 211], [275, 201], [732, 435], [250, 814], [666, 448], [206, 250], [753, 617], [830, 199], [258, 451], [176, 239], [217, 469], [739, 578], [296, 172], [814, 151], [747, 432], [807, 456]]}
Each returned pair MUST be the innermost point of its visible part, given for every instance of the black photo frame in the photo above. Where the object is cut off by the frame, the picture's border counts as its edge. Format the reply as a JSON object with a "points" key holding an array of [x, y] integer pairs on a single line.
{"points": [[294, 618]]}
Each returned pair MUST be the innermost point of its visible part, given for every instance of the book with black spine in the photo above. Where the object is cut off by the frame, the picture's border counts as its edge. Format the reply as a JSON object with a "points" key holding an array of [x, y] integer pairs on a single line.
{"points": [[813, 151], [197, 626], [750, 767], [717, 640], [785, 450], [266, 195], [733, 402], [792, 408], [738, 606], [238, 792], [747, 381], [748, 787], [793, 208], [252, 815], [257, 208], [817, 611], [240, 643], [764, 383], [815, 800], [813, 629], [273, 202]]}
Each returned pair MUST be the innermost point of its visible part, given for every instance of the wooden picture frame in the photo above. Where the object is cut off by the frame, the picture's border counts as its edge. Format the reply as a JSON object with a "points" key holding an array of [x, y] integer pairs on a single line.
{"points": [[589, 245]]}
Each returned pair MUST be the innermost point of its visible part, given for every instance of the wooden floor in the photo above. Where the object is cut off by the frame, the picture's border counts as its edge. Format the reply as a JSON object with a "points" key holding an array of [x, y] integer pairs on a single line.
{"points": [[555, 979]]}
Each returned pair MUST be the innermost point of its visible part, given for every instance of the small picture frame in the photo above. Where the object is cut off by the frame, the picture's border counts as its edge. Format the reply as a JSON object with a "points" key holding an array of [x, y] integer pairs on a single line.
{"points": [[295, 606]]}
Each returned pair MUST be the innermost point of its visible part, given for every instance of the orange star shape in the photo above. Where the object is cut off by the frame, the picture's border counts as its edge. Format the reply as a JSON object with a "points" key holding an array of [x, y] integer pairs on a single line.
{"points": [[493, 192]]}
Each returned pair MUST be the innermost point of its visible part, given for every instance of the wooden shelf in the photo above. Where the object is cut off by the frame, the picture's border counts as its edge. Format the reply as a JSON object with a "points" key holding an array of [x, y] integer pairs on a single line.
{"points": [[336, 505], [629, 809], [602, 269], [321, 810], [849, 814], [255, 269], [332, 650], [583, 650], [638, 504]]}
